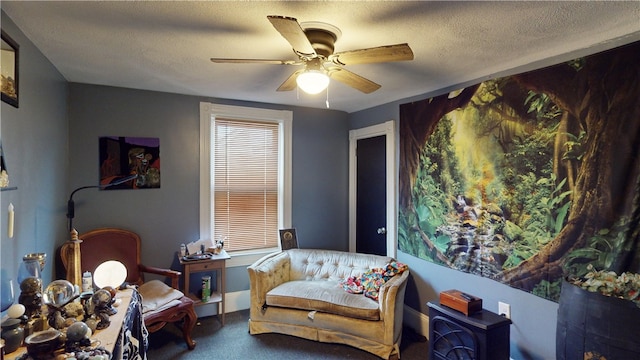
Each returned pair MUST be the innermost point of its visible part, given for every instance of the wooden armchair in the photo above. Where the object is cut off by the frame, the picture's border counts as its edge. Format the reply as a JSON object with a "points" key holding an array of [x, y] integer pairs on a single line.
{"points": [[106, 244]]}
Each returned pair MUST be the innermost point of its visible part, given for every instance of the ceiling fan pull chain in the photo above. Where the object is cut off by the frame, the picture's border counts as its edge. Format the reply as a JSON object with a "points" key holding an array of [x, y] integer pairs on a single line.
{"points": [[327, 102]]}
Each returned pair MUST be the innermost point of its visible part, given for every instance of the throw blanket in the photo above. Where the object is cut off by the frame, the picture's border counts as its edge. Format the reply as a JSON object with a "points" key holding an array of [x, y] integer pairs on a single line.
{"points": [[370, 282]]}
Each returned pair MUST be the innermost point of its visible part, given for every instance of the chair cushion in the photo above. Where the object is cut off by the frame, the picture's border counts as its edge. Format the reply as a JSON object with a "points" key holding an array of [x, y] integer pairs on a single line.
{"points": [[157, 295]]}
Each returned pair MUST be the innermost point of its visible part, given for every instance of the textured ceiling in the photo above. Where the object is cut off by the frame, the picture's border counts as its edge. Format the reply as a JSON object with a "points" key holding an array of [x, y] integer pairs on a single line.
{"points": [[166, 45]]}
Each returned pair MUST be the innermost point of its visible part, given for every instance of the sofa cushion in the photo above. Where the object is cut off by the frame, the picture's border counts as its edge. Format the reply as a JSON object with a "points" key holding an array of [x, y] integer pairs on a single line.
{"points": [[323, 296]]}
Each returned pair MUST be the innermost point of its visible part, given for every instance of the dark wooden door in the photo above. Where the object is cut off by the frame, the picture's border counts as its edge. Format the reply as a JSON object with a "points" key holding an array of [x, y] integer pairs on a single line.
{"points": [[371, 196]]}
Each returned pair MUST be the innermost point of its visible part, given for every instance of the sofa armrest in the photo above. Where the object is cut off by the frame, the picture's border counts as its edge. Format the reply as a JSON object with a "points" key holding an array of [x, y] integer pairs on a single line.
{"points": [[265, 274], [391, 302]]}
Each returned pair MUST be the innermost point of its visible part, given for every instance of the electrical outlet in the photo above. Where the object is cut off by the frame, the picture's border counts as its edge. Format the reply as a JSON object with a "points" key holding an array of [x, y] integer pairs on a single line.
{"points": [[504, 309]]}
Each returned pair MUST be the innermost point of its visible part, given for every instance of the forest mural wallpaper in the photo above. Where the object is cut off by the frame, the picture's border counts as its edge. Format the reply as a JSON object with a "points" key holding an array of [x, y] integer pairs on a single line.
{"points": [[530, 178]]}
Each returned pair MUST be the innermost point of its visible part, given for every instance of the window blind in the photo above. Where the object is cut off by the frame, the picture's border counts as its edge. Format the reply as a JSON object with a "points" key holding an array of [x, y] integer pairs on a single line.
{"points": [[245, 183]]}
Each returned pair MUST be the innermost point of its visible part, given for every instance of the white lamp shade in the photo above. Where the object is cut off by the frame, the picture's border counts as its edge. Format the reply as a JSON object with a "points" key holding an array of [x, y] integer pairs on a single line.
{"points": [[110, 273], [312, 81]]}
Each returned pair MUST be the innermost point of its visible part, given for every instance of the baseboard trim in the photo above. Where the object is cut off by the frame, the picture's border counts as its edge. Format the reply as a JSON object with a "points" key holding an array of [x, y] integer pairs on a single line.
{"points": [[416, 320], [238, 300]]}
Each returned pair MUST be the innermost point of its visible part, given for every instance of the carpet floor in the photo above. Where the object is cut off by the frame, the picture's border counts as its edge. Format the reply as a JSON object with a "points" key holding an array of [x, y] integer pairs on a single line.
{"points": [[233, 341]]}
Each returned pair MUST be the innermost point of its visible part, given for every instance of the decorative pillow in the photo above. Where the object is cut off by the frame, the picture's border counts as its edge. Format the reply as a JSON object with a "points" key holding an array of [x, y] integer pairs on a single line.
{"points": [[369, 283]]}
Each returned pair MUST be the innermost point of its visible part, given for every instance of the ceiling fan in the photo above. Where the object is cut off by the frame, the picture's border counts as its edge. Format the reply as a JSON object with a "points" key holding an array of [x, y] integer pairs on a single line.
{"points": [[313, 42]]}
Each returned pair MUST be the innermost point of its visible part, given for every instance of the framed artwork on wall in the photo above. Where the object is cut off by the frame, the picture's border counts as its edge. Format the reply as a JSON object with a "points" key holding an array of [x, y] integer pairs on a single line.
{"points": [[123, 156], [4, 175], [288, 239], [9, 62]]}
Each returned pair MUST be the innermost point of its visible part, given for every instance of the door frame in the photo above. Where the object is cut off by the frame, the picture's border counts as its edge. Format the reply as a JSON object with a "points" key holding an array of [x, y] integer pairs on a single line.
{"points": [[388, 129]]}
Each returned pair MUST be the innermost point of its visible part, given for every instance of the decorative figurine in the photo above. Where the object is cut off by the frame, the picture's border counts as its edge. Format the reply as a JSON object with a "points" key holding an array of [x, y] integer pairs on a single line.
{"points": [[74, 310], [31, 297], [101, 308], [55, 317], [113, 292], [78, 336], [72, 254], [57, 295], [218, 245]]}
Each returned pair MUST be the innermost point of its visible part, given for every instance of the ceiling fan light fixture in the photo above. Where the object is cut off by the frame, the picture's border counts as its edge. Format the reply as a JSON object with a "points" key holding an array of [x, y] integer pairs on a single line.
{"points": [[312, 81]]}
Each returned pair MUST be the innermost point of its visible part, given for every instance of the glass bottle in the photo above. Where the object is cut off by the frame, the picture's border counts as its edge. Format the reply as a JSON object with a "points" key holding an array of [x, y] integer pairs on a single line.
{"points": [[7, 293], [30, 267], [87, 282]]}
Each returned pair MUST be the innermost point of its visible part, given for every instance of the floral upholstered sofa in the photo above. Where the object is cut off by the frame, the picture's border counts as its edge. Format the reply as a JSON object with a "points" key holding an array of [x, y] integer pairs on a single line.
{"points": [[330, 296]]}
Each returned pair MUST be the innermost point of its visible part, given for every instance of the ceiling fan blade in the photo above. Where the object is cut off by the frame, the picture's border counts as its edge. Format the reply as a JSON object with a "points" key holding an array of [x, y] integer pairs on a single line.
{"points": [[291, 30], [353, 80], [399, 52], [290, 83], [256, 61]]}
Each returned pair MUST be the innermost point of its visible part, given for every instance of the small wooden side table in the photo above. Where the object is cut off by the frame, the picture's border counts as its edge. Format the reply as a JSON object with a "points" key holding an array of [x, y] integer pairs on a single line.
{"points": [[216, 263]]}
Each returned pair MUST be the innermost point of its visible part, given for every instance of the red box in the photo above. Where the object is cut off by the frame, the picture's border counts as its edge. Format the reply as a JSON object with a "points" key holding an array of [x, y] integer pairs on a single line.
{"points": [[460, 301]]}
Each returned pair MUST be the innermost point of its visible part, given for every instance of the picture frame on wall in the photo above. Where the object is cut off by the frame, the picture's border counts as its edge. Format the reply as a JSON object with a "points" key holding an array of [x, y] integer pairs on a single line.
{"points": [[9, 65], [124, 156], [288, 239], [4, 175]]}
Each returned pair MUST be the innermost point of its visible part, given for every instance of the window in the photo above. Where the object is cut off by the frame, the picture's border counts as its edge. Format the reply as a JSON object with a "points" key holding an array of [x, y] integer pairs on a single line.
{"points": [[245, 181]]}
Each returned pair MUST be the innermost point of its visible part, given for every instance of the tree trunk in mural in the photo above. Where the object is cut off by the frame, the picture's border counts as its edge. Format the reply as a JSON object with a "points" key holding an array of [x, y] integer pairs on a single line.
{"points": [[603, 97], [418, 122], [565, 167]]}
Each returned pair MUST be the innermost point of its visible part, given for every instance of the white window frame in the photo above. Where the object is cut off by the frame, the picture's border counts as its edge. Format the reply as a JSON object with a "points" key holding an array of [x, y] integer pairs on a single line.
{"points": [[208, 113]]}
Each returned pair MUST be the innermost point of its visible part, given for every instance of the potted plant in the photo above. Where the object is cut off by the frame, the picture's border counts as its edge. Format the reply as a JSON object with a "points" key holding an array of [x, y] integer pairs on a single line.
{"points": [[624, 286], [599, 316]]}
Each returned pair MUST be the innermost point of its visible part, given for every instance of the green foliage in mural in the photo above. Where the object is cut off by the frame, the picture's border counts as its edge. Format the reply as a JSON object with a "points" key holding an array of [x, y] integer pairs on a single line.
{"points": [[546, 208], [549, 290], [430, 195], [600, 251], [541, 105], [574, 147], [437, 177]]}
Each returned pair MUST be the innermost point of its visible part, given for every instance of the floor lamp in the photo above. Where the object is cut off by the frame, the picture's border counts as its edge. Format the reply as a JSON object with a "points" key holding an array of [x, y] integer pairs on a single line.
{"points": [[71, 205], [74, 267]]}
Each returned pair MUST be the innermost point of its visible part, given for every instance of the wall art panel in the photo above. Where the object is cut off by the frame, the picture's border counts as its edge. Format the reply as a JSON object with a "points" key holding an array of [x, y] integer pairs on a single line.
{"points": [[529, 178]]}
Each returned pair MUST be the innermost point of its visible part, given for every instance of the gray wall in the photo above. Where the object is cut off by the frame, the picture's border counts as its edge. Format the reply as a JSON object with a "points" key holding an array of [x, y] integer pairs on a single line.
{"points": [[34, 140], [168, 216]]}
